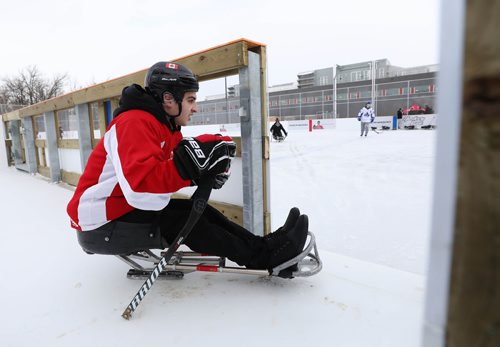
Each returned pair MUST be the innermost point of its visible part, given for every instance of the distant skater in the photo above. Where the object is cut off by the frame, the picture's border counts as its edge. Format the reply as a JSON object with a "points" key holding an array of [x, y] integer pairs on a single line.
{"points": [[366, 116]]}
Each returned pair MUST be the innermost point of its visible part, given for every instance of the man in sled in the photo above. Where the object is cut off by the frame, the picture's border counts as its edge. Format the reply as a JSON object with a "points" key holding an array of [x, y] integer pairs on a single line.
{"points": [[123, 203], [277, 130]]}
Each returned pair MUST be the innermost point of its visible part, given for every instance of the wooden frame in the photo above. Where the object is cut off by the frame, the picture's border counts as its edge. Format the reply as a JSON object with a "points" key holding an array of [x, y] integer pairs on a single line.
{"points": [[223, 60]]}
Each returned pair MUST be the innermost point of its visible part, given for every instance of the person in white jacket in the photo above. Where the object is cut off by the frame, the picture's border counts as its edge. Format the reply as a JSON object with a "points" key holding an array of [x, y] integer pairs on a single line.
{"points": [[366, 116]]}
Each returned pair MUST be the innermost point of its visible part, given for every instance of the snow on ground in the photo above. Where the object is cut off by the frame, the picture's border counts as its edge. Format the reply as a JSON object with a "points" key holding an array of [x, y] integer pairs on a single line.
{"points": [[368, 200]]}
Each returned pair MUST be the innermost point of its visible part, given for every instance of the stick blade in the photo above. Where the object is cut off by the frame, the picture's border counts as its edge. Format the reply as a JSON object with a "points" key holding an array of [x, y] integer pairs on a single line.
{"points": [[127, 314]]}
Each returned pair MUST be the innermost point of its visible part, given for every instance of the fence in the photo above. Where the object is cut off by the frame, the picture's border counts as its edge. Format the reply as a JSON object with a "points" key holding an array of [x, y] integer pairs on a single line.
{"points": [[55, 137]]}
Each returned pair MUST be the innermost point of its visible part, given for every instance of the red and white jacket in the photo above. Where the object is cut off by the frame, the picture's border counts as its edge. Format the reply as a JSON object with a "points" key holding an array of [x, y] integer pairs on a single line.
{"points": [[130, 168]]}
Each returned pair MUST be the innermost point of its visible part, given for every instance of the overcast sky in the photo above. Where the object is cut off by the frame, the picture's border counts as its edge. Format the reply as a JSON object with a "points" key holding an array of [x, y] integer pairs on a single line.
{"points": [[97, 40]]}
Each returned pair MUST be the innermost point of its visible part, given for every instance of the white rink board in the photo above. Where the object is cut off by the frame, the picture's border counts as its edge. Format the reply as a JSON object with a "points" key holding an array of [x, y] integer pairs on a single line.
{"points": [[70, 160]]}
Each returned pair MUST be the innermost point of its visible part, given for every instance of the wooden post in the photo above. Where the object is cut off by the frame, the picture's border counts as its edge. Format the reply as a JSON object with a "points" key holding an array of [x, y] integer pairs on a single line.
{"points": [[102, 117], [474, 301]]}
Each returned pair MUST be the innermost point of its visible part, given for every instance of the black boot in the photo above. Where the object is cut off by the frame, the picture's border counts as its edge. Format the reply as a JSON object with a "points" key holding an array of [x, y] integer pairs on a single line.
{"points": [[292, 244], [274, 239]]}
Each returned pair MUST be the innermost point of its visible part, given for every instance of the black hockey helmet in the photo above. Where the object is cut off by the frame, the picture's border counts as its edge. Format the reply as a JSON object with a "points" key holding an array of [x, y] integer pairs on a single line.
{"points": [[167, 77]]}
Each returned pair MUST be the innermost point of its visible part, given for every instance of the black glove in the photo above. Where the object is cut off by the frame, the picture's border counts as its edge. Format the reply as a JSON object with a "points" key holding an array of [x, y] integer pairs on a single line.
{"points": [[218, 181], [221, 179], [205, 156]]}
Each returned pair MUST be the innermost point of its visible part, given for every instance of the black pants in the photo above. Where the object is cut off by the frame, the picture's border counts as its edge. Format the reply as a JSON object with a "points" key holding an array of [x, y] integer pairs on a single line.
{"points": [[213, 234]]}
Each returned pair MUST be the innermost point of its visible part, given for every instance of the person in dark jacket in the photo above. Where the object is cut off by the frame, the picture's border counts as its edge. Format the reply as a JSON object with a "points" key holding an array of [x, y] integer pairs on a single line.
{"points": [[277, 130], [400, 117], [428, 110]]}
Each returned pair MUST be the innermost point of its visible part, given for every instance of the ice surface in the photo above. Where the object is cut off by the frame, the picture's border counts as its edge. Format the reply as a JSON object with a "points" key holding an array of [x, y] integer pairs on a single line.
{"points": [[368, 201]]}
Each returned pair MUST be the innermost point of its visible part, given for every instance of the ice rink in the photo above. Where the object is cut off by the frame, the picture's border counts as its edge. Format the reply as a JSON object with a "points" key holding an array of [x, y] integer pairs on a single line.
{"points": [[368, 201]]}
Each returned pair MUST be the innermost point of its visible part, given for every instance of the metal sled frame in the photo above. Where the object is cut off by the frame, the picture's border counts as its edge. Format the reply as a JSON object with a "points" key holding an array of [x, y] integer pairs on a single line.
{"points": [[308, 264], [278, 138]]}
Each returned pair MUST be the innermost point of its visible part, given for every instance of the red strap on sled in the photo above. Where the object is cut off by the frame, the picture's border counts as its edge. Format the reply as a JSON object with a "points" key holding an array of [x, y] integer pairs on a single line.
{"points": [[207, 268]]}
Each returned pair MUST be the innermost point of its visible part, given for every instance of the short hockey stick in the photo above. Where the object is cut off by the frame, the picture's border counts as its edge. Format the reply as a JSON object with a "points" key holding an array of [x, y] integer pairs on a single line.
{"points": [[200, 200]]}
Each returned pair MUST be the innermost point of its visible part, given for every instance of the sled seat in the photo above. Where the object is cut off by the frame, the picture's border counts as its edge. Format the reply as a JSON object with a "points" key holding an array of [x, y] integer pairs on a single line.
{"points": [[121, 238]]}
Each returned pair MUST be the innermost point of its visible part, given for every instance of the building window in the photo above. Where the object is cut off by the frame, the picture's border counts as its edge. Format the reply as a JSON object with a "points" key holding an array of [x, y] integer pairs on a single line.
{"points": [[360, 75], [342, 94], [323, 80], [354, 95]]}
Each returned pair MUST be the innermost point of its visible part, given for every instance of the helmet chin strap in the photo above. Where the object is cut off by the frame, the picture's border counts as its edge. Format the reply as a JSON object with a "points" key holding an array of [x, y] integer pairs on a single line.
{"points": [[179, 103], [180, 111], [171, 118]]}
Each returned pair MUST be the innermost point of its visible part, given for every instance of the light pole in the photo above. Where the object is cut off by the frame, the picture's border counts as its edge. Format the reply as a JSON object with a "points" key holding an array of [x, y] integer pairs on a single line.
{"points": [[335, 91], [374, 76], [227, 105]]}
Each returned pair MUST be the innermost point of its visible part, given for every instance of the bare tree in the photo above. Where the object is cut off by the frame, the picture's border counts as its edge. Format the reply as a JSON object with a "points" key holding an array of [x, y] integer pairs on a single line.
{"points": [[73, 85], [30, 87]]}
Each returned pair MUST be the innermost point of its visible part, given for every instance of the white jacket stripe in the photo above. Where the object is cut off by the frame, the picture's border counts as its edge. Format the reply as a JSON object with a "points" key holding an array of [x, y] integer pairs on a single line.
{"points": [[92, 206]]}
